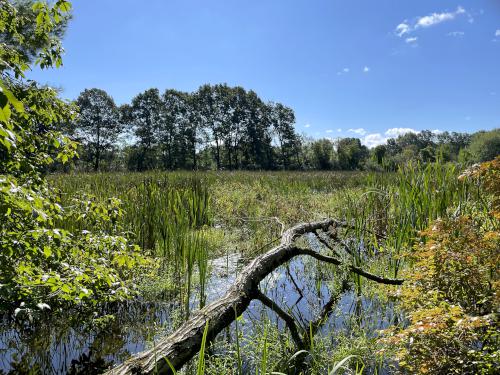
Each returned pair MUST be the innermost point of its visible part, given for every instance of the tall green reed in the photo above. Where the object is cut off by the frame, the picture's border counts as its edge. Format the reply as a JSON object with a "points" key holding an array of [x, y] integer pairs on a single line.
{"points": [[400, 207]]}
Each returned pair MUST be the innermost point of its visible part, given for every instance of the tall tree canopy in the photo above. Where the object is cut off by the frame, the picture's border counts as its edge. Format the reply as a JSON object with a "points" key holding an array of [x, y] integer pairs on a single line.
{"points": [[230, 125], [98, 124], [147, 117], [351, 153], [283, 120], [223, 127]]}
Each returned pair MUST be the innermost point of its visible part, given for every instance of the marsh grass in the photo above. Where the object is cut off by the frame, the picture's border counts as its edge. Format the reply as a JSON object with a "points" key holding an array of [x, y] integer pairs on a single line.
{"points": [[185, 219], [398, 208]]}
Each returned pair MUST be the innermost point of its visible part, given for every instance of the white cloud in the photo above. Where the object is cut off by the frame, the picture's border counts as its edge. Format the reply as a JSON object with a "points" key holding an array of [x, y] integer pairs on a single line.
{"points": [[345, 70], [411, 40], [497, 33], [372, 140], [359, 131], [339, 130], [329, 131], [402, 29], [407, 27], [307, 125], [375, 139], [456, 34], [394, 132], [435, 18], [366, 69]]}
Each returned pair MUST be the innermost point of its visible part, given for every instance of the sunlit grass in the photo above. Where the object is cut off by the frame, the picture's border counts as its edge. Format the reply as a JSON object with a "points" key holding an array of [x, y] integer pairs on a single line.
{"points": [[185, 219]]}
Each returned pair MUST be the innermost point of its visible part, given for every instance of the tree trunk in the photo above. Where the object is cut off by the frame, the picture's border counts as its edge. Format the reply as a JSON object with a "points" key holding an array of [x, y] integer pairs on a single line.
{"points": [[194, 155], [217, 152], [185, 342], [97, 150]]}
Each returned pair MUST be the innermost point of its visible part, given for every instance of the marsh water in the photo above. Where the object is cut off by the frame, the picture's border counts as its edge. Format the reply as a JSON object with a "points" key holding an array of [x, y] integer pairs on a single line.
{"points": [[75, 343]]}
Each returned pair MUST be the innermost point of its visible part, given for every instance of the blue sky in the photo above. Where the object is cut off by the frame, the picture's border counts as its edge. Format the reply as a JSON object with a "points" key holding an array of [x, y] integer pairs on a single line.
{"points": [[370, 69]]}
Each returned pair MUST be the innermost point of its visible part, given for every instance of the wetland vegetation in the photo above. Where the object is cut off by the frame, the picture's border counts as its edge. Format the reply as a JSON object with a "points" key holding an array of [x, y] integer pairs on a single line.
{"points": [[386, 262], [195, 231]]}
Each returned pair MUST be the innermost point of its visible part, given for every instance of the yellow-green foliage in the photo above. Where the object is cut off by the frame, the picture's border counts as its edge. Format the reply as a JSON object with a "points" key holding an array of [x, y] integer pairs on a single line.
{"points": [[488, 174], [452, 295], [457, 263]]}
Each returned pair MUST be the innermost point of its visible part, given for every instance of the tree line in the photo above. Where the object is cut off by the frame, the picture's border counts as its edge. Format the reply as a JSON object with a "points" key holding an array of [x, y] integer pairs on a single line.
{"points": [[217, 126], [222, 127], [424, 146]]}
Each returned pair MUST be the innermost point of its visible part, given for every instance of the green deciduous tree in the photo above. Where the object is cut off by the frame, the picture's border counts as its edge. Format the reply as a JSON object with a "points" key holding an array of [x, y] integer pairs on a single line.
{"points": [[351, 153], [256, 143], [98, 124], [147, 116], [282, 121], [185, 123], [39, 262], [484, 146], [322, 154]]}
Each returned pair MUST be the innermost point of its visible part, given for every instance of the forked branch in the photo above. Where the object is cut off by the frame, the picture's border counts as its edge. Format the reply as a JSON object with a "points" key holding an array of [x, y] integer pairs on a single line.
{"points": [[185, 342]]}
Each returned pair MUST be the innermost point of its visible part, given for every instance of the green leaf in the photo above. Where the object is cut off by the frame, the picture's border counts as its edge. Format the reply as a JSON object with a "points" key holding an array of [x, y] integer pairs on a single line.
{"points": [[40, 19], [64, 6], [66, 288], [11, 98], [37, 6], [5, 113], [47, 251]]}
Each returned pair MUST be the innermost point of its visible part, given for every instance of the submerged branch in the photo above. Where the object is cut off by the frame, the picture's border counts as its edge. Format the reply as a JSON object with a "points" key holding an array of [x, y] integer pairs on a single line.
{"points": [[356, 270], [287, 318], [185, 342]]}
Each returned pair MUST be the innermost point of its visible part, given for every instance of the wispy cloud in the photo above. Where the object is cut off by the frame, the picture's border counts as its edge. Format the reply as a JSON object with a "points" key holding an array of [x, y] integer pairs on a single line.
{"points": [[497, 33], [339, 130], [359, 131], [456, 34], [343, 71], [407, 27], [435, 18], [402, 29], [307, 125], [366, 69], [411, 40], [329, 131]]}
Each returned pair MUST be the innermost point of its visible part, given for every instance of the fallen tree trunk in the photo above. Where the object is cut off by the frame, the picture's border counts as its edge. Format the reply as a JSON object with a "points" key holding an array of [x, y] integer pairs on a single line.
{"points": [[185, 342]]}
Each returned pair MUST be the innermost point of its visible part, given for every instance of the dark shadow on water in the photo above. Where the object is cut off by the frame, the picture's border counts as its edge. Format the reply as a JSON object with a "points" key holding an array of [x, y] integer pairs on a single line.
{"points": [[74, 343]]}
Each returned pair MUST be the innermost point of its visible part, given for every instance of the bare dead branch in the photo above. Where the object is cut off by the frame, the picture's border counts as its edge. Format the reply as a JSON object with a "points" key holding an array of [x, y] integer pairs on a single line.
{"points": [[185, 342]]}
